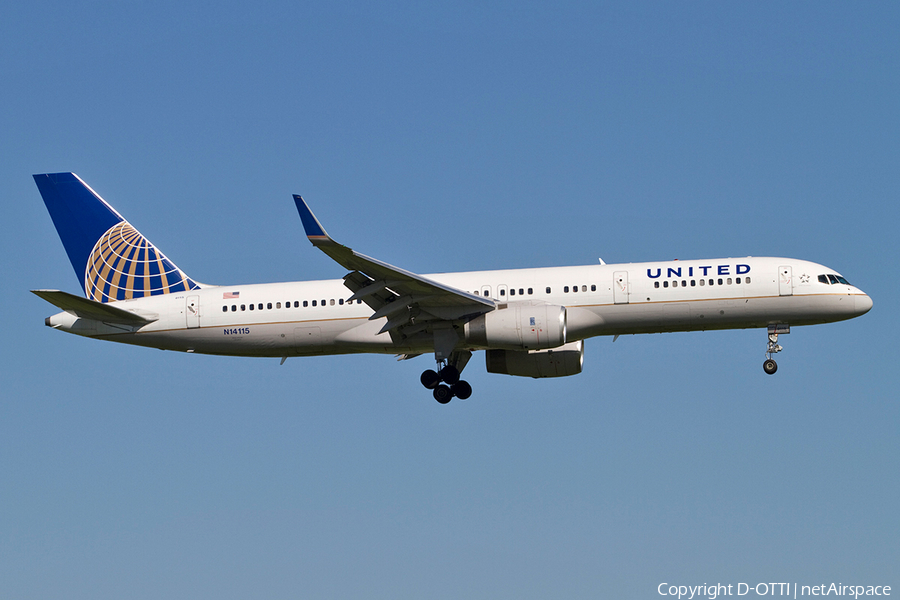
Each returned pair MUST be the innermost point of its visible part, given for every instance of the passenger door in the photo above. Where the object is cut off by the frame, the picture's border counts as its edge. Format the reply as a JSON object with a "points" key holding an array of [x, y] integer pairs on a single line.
{"points": [[620, 287], [192, 312], [785, 281]]}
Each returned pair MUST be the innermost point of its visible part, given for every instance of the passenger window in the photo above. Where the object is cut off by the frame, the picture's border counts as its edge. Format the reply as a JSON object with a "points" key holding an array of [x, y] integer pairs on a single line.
{"points": [[522, 292], [269, 306], [305, 303], [224, 309], [746, 280], [233, 308], [728, 281], [693, 283], [656, 284], [341, 301], [502, 292], [593, 287], [738, 280], [530, 292], [332, 302], [296, 304], [665, 284], [712, 282], [314, 303], [512, 291], [584, 288], [566, 290], [574, 288], [243, 307], [720, 281], [252, 306], [278, 305], [675, 283], [323, 302], [702, 282], [548, 290], [259, 306]]}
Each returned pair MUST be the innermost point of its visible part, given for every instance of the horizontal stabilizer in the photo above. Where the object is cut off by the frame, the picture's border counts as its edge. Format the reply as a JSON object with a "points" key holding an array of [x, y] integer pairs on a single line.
{"points": [[91, 309]]}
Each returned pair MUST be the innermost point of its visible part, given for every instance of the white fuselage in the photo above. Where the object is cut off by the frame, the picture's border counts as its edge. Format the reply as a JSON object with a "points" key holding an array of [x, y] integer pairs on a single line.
{"points": [[313, 317]]}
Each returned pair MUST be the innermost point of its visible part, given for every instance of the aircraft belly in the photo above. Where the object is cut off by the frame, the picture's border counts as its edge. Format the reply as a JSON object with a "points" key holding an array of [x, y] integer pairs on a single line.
{"points": [[699, 315], [342, 336], [252, 340]]}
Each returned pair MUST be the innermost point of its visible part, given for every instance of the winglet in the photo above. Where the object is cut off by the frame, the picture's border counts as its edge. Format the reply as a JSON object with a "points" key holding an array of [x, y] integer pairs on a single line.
{"points": [[314, 230]]}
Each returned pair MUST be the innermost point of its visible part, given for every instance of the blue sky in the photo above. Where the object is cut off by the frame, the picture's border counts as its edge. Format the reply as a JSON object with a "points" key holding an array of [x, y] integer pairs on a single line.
{"points": [[449, 137]]}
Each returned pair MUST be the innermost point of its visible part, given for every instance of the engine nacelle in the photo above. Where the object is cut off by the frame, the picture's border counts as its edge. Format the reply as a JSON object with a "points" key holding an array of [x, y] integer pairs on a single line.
{"points": [[519, 326], [558, 362]]}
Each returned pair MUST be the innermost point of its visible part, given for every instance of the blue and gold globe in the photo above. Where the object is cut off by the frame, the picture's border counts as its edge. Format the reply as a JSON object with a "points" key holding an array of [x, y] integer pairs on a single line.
{"points": [[124, 265]]}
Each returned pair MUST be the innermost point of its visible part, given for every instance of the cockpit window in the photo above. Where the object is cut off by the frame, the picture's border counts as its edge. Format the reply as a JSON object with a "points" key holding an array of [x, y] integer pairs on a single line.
{"points": [[832, 279]]}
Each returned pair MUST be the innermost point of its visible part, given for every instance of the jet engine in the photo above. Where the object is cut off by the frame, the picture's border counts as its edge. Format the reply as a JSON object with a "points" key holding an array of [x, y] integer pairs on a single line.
{"points": [[519, 326], [558, 362]]}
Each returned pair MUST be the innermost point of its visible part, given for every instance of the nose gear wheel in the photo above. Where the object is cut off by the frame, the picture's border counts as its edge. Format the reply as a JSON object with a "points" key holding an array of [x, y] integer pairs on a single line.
{"points": [[769, 365]]}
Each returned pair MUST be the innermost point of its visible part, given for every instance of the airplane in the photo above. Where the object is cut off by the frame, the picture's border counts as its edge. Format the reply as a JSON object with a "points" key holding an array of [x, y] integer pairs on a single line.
{"points": [[529, 322]]}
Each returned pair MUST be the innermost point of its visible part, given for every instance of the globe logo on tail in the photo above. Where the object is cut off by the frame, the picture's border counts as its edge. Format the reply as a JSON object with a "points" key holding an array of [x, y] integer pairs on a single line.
{"points": [[125, 265]]}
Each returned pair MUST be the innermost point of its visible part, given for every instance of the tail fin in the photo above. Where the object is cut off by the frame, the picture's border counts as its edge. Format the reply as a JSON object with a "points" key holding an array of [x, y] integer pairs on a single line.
{"points": [[110, 257]]}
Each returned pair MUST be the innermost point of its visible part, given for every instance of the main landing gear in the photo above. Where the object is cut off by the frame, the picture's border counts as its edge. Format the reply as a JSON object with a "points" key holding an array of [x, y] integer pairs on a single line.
{"points": [[445, 382], [769, 365]]}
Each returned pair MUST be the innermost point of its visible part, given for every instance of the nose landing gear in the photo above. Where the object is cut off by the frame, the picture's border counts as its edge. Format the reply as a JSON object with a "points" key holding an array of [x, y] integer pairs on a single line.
{"points": [[445, 382], [769, 365]]}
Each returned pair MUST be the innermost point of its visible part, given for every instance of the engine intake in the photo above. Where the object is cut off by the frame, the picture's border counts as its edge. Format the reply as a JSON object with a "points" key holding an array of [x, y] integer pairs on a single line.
{"points": [[558, 362], [519, 326]]}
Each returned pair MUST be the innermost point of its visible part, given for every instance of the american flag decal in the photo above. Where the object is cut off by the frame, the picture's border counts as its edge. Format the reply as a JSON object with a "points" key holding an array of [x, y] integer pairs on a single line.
{"points": [[231, 295]]}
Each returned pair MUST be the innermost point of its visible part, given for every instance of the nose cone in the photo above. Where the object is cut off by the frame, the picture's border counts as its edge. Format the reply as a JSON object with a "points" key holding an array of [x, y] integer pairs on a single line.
{"points": [[862, 303]]}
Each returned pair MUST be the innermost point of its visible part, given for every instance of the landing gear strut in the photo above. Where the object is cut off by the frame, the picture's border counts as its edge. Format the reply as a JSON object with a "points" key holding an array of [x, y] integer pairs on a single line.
{"points": [[770, 366], [445, 382]]}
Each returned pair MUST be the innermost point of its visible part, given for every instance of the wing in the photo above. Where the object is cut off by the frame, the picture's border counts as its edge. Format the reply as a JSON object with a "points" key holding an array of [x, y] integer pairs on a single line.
{"points": [[411, 303]]}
